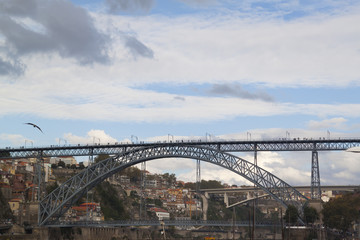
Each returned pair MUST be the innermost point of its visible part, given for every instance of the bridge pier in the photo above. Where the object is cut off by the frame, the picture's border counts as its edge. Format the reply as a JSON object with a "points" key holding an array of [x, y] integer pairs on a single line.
{"points": [[226, 199], [205, 205], [315, 176]]}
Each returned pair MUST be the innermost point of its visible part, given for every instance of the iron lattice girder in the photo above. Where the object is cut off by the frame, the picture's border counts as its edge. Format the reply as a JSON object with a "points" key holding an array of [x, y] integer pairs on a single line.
{"points": [[57, 202], [224, 146], [315, 177]]}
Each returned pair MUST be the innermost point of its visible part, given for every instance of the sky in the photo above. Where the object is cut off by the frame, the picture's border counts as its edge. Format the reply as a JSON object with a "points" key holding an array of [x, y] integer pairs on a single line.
{"points": [[104, 71]]}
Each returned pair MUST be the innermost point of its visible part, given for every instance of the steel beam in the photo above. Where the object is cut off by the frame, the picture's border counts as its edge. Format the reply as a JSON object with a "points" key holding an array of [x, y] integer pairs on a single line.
{"points": [[58, 201], [315, 176], [225, 146]]}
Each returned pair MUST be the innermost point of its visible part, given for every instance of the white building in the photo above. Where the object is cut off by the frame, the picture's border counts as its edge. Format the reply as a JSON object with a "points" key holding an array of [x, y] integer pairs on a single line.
{"points": [[66, 160], [161, 213]]}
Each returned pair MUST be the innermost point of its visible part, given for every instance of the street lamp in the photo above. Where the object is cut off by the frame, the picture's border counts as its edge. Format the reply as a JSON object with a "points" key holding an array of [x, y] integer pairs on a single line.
{"points": [[206, 136], [97, 139], [134, 137], [247, 136], [63, 140], [32, 143], [169, 137], [287, 134]]}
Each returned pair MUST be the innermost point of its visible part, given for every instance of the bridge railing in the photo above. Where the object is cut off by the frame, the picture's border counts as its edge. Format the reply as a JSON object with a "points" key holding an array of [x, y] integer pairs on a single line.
{"points": [[225, 146]]}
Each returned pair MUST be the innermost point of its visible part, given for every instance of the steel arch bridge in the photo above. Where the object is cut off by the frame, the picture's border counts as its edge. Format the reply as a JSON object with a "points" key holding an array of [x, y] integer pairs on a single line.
{"points": [[55, 204]]}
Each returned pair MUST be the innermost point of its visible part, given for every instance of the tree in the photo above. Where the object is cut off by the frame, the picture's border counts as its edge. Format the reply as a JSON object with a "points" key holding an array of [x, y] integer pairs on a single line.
{"points": [[111, 205], [81, 165], [339, 213], [190, 185], [51, 187], [4, 154], [5, 211], [170, 178], [73, 166], [210, 184], [133, 173], [54, 166], [101, 157], [158, 202], [310, 215], [291, 214], [61, 164]]}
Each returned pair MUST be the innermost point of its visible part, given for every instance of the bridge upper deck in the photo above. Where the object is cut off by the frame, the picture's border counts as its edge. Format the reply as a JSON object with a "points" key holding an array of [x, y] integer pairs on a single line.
{"points": [[226, 146]]}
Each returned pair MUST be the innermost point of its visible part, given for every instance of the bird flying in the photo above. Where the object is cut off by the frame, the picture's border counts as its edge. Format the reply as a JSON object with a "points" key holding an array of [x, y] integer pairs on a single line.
{"points": [[35, 126]]}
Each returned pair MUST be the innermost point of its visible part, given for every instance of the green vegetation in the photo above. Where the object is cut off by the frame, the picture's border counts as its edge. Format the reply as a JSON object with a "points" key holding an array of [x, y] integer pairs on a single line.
{"points": [[217, 210], [310, 215], [157, 202], [190, 185], [61, 164], [51, 187], [101, 157], [111, 205], [339, 213], [4, 154], [133, 173], [291, 214], [81, 165], [5, 211], [205, 184], [210, 184], [170, 178]]}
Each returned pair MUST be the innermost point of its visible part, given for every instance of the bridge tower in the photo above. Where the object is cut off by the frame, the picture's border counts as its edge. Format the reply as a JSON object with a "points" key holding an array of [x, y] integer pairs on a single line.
{"points": [[315, 176], [143, 187], [255, 194], [198, 181], [89, 198], [39, 178]]}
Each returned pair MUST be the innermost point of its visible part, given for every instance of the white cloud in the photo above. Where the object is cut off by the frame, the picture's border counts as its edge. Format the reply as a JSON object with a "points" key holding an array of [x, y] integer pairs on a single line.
{"points": [[276, 53], [213, 172], [216, 49], [114, 102], [337, 123], [16, 139], [93, 136], [170, 165]]}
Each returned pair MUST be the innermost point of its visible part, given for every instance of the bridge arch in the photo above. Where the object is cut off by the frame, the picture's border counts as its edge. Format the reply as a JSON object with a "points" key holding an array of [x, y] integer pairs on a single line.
{"points": [[56, 203]]}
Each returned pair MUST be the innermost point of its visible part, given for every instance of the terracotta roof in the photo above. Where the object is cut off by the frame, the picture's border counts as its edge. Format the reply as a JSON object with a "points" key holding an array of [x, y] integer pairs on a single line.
{"points": [[154, 209]]}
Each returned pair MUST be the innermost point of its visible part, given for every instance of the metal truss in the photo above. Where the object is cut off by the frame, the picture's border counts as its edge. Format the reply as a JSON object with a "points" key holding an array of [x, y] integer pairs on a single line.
{"points": [[54, 205], [225, 146], [315, 177]]}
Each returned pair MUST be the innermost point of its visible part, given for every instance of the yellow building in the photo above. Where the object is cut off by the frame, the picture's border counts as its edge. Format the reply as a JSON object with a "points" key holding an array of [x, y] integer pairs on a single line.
{"points": [[15, 205]]}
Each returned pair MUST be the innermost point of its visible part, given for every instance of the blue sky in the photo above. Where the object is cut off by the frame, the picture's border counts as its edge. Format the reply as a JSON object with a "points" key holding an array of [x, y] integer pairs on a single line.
{"points": [[104, 70]]}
